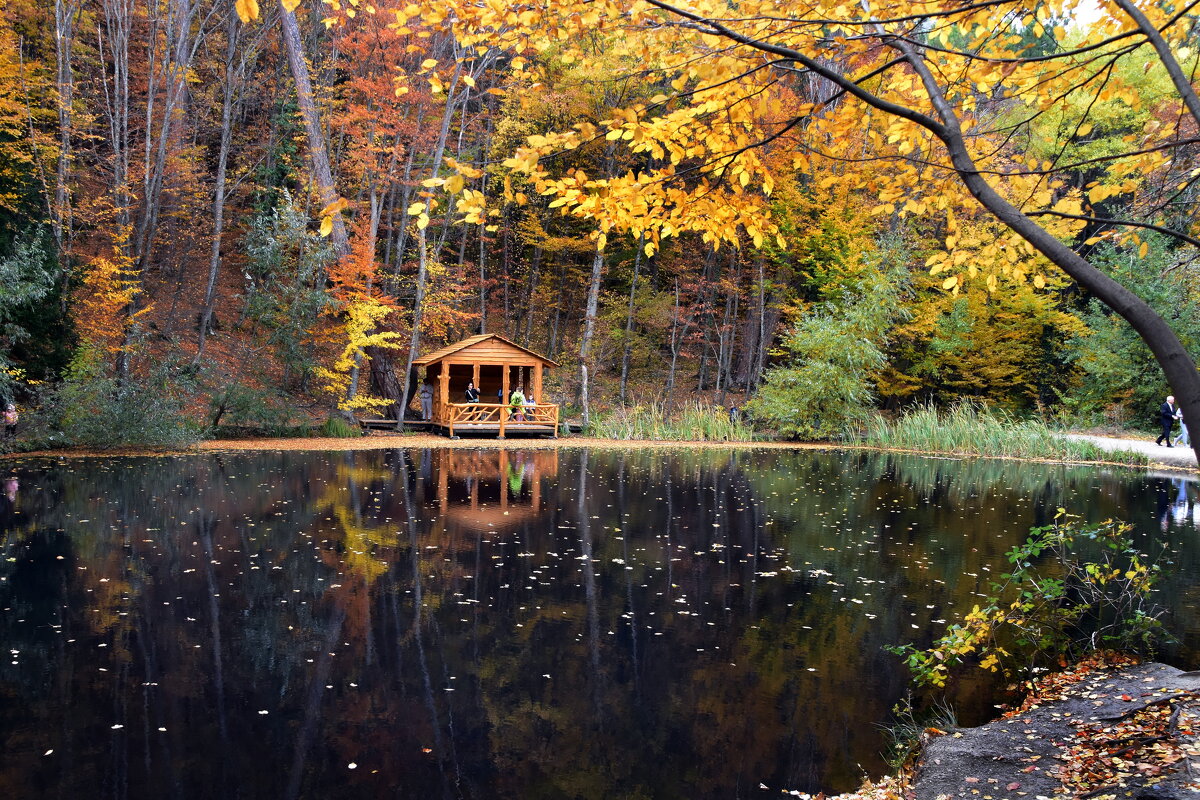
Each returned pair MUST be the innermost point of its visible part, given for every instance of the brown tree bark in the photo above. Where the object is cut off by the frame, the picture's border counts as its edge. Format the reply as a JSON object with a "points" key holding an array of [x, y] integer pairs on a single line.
{"points": [[318, 152]]}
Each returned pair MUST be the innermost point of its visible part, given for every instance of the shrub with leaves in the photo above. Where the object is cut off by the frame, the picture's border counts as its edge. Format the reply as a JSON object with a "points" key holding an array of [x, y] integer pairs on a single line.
{"points": [[825, 388], [92, 409], [1054, 605]]}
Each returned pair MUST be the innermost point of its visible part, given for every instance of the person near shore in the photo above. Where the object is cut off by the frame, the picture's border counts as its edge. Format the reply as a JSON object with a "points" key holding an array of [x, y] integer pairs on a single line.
{"points": [[471, 394], [426, 395], [516, 404], [1183, 438], [1166, 416], [11, 417]]}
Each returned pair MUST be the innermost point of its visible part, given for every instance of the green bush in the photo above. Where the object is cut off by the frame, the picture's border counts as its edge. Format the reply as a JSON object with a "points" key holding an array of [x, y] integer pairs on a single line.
{"points": [[90, 408], [239, 410], [824, 389], [1059, 602]]}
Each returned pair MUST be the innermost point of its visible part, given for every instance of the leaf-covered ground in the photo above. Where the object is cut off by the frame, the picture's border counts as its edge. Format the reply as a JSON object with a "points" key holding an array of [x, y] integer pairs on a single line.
{"points": [[1106, 728]]}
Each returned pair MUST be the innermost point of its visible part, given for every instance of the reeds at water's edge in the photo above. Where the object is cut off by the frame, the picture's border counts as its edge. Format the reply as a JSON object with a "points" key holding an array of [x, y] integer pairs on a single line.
{"points": [[970, 429], [691, 422]]}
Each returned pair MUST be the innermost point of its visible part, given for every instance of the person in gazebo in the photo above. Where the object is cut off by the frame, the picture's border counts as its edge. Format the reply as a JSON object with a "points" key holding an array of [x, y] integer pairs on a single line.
{"points": [[516, 404], [471, 394], [426, 396]]}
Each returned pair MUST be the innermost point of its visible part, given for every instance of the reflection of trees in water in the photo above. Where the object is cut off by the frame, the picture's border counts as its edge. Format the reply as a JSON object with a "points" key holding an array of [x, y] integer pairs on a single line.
{"points": [[677, 601]]}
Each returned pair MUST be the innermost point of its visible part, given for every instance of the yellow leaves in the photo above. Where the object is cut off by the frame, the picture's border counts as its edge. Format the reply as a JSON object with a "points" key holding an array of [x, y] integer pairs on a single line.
{"points": [[334, 207], [361, 317], [1039, 281], [289, 5], [454, 184], [329, 212], [423, 221], [950, 283], [469, 81], [1144, 250], [416, 208], [428, 64], [247, 10]]}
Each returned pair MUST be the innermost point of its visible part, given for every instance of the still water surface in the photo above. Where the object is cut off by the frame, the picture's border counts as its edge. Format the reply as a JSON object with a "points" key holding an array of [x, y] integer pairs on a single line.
{"points": [[510, 624]]}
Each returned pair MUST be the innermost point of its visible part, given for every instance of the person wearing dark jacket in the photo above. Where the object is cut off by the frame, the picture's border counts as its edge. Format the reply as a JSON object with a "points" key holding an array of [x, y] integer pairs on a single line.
{"points": [[472, 393], [1166, 416]]}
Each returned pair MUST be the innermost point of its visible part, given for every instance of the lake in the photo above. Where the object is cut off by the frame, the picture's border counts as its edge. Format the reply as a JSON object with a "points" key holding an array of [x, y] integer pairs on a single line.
{"points": [[484, 623]]}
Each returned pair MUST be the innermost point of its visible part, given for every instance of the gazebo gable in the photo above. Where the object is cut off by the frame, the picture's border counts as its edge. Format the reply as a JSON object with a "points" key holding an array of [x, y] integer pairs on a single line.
{"points": [[485, 348]]}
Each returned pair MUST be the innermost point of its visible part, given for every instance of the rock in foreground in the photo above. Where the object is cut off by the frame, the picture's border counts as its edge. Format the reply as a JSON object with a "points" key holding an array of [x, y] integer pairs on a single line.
{"points": [[1128, 731]]}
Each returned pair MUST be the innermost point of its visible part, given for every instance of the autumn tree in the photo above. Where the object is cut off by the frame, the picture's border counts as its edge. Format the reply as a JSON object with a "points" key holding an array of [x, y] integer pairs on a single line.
{"points": [[922, 81]]}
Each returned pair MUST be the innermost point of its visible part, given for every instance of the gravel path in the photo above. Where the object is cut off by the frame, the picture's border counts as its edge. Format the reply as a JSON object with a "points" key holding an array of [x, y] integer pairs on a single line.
{"points": [[1172, 456]]}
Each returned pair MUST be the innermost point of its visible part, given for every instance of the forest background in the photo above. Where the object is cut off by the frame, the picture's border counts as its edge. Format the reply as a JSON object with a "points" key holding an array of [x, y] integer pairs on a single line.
{"points": [[215, 214]]}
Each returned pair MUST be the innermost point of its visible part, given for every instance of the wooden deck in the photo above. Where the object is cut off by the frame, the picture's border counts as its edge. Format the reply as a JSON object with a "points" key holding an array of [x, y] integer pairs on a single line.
{"points": [[454, 419]]}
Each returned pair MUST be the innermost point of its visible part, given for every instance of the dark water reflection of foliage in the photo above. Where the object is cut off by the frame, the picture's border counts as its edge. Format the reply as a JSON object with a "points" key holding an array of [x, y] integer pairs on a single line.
{"points": [[479, 623]]}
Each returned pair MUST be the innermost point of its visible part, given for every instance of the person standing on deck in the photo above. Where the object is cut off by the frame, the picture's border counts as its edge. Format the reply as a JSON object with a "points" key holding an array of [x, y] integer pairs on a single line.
{"points": [[517, 404], [426, 396], [472, 394], [1166, 416]]}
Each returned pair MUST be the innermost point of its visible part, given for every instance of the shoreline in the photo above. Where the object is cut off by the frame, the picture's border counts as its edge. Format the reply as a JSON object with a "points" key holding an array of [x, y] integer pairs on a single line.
{"points": [[388, 441]]}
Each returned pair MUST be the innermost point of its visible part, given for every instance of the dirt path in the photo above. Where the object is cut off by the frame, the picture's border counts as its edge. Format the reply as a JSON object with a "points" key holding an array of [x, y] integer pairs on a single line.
{"points": [[1170, 456]]}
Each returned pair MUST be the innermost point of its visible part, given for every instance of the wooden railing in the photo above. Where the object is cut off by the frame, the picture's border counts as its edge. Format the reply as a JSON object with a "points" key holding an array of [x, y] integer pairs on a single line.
{"points": [[541, 415]]}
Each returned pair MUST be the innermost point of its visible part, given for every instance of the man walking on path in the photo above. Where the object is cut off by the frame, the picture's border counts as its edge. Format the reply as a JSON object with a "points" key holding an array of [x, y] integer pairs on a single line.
{"points": [[1166, 415]]}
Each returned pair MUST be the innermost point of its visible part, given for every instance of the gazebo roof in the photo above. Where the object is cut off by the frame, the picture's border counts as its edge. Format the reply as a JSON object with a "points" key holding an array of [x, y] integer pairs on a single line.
{"points": [[471, 341]]}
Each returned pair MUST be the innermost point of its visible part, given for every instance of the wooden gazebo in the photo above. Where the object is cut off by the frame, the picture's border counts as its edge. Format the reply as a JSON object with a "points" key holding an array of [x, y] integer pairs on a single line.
{"points": [[496, 366]]}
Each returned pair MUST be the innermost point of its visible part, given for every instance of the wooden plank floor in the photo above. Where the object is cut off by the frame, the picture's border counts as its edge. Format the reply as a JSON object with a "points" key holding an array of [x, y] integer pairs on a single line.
{"points": [[471, 427]]}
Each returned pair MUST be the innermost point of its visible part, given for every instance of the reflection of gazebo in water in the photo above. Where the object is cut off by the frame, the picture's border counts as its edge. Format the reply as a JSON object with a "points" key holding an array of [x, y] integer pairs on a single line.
{"points": [[496, 366], [496, 489]]}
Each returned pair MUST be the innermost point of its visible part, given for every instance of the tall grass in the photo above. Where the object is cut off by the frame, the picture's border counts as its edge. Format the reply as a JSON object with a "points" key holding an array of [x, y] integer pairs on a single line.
{"points": [[693, 422], [970, 429], [338, 428]]}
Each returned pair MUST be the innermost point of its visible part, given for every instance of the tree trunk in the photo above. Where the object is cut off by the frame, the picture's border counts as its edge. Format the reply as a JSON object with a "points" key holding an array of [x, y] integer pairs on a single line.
{"points": [[64, 42], [214, 261], [1176, 363], [534, 264], [637, 263], [589, 329], [318, 153]]}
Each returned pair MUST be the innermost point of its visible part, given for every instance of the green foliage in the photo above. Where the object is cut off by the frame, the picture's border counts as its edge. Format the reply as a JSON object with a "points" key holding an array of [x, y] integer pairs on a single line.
{"points": [[286, 273], [824, 388], [91, 409], [238, 409], [694, 422], [338, 428], [972, 429], [1055, 605], [26, 284]]}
